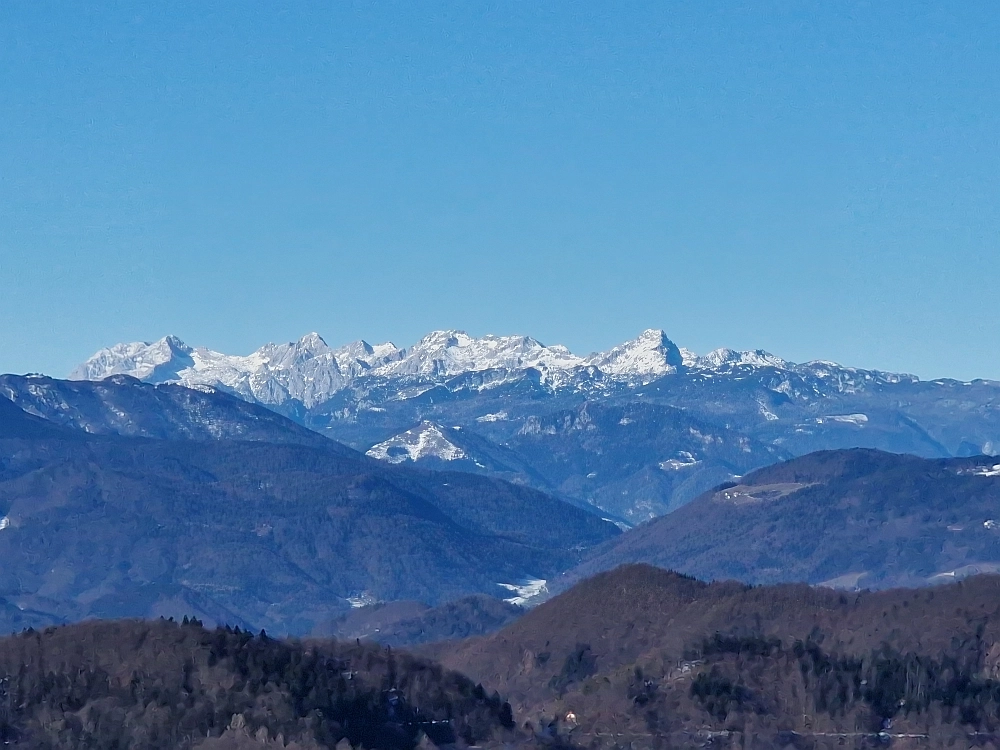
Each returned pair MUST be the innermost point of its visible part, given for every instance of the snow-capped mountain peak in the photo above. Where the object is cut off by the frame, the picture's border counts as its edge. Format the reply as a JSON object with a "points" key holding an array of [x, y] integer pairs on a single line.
{"points": [[152, 361], [649, 355], [447, 353]]}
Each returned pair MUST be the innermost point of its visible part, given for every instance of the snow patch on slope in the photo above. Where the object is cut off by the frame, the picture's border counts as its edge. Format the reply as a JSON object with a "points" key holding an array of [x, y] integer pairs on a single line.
{"points": [[525, 591], [858, 420], [424, 441], [499, 416], [683, 461]]}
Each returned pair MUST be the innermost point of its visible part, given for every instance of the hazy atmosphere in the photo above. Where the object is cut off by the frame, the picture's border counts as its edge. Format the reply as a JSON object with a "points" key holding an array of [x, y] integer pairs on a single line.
{"points": [[816, 179]]}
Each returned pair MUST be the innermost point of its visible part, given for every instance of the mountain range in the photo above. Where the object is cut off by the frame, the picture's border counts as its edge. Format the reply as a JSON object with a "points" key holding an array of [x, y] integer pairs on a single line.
{"points": [[637, 431]]}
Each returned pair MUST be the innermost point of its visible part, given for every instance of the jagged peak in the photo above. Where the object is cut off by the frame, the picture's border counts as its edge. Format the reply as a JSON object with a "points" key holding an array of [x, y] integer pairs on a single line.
{"points": [[313, 340], [447, 337], [141, 359], [174, 342], [650, 354]]}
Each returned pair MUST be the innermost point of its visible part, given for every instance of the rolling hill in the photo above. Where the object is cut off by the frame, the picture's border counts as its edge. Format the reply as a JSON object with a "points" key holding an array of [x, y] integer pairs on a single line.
{"points": [[641, 655], [847, 519]]}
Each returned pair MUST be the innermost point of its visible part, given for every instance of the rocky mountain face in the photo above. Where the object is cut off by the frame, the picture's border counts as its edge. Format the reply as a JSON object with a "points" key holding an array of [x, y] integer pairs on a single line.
{"points": [[847, 519], [281, 534], [511, 407]]}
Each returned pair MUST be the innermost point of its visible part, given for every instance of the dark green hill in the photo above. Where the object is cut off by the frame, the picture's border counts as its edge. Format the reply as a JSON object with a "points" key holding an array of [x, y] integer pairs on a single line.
{"points": [[129, 684]]}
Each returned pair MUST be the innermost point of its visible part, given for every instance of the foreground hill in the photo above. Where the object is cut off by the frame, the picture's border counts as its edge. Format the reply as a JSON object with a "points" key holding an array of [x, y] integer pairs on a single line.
{"points": [[641, 653], [130, 684], [852, 518], [280, 536]]}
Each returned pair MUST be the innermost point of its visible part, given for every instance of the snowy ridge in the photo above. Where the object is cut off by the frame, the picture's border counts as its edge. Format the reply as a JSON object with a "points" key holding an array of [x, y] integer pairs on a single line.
{"points": [[724, 358], [307, 370], [310, 372]]}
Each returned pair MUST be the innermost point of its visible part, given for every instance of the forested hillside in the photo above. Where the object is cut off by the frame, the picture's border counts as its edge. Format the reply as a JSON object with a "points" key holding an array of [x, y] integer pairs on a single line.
{"points": [[647, 656], [250, 533], [164, 685]]}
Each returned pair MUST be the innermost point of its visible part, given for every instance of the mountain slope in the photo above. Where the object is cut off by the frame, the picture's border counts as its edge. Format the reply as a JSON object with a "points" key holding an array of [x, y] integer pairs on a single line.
{"points": [[274, 535], [15, 423], [123, 405], [640, 652], [850, 518], [411, 623]]}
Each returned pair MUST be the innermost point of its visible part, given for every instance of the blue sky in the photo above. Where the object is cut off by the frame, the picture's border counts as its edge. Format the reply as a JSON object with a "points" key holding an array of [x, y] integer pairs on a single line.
{"points": [[818, 179]]}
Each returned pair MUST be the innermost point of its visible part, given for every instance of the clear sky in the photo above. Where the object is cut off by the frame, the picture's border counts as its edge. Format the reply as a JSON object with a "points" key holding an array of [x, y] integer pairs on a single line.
{"points": [[820, 179]]}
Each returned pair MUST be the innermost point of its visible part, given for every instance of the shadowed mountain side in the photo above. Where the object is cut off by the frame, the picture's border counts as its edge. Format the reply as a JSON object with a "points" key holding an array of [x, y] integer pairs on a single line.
{"points": [[17, 424], [640, 649], [122, 405], [853, 518], [411, 623], [278, 536]]}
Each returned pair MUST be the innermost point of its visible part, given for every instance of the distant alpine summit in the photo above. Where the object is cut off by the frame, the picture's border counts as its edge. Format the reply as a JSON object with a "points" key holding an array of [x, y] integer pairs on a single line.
{"points": [[310, 372]]}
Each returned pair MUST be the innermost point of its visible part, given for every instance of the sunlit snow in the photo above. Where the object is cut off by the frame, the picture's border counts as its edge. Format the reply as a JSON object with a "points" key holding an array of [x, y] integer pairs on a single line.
{"points": [[857, 420], [424, 441], [364, 599], [311, 372], [499, 416], [525, 591], [683, 461]]}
